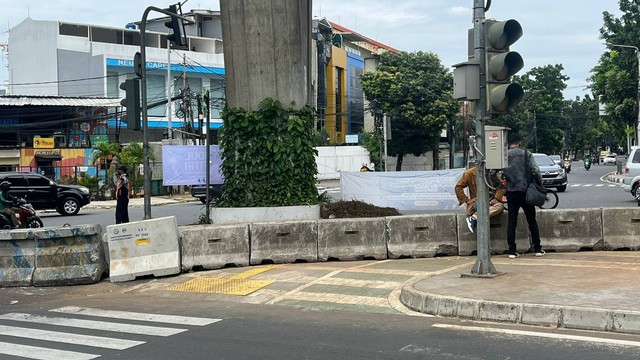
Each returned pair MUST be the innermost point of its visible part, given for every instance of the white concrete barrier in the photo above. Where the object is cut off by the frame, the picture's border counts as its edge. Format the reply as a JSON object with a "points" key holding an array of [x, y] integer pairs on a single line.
{"points": [[210, 247], [422, 235], [148, 247], [352, 239], [621, 228], [284, 242]]}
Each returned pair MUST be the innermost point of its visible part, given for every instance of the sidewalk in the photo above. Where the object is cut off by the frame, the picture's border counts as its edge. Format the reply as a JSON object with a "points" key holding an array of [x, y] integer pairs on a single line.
{"points": [[139, 201], [585, 290]]}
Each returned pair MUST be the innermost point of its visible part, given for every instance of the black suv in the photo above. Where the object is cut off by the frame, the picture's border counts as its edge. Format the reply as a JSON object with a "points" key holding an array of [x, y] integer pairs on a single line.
{"points": [[43, 193], [200, 192]]}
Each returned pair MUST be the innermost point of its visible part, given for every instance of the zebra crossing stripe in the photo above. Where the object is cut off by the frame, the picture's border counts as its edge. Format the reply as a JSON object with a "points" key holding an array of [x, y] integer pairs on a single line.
{"points": [[126, 315], [40, 353], [68, 338], [91, 324]]}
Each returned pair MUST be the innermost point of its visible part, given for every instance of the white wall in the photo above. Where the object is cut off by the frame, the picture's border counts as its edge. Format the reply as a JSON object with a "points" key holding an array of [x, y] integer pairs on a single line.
{"points": [[332, 160]]}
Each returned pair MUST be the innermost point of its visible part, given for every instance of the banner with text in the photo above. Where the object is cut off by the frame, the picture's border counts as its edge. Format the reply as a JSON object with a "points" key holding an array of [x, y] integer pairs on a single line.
{"points": [[404, 190], [185, 165]]}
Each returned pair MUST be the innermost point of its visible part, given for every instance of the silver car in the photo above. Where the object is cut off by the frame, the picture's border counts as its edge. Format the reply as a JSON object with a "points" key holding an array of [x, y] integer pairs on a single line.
{"points": [[553, 175]]}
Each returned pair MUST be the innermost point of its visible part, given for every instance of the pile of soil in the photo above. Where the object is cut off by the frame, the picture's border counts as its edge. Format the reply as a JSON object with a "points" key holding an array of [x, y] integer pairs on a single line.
{"points": [[354, 209]]}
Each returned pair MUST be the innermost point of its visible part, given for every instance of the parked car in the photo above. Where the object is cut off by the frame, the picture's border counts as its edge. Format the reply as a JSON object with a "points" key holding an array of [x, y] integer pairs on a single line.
{"points": [[200, 192], [44, 193], [553, 175], [631, 180], [557, 159], [609, 159]]}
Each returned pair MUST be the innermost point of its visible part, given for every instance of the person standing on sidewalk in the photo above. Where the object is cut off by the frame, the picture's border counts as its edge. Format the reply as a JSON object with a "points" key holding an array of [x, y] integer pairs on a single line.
{"points": [[123, 188], [517, 182], [468, 181]]}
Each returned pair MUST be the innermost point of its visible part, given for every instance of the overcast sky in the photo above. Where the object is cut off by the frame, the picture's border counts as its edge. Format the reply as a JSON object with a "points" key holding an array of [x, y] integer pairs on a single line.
{"points": [[555, 31]]}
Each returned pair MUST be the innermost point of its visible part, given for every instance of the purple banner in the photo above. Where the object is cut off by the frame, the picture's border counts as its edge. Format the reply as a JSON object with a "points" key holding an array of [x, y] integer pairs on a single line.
{"points": [[186, 165]]}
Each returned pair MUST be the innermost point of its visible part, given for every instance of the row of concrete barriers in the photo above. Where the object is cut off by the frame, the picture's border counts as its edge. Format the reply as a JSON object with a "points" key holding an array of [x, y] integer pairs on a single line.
{"points": [[75, 255], [212, 247]]}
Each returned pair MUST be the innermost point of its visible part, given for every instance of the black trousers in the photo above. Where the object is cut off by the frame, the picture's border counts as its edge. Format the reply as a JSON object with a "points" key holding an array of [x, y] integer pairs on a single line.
{"points": [[515, 201], [122, 210]]}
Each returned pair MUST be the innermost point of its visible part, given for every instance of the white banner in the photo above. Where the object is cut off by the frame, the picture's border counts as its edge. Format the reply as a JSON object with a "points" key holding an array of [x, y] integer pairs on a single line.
{"points": [[185, 165], [403, 190]]}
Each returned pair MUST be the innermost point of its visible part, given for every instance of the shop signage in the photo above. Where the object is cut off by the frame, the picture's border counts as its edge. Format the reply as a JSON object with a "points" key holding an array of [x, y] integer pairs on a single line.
{"points": [[43, 143]]}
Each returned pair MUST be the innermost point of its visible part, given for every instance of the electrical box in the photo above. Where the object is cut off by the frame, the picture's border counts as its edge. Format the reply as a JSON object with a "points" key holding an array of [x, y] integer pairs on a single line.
{"points": [[495, 147]]}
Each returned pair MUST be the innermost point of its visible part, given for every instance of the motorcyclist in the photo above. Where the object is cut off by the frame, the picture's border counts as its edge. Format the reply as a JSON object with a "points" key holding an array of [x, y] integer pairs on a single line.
{"points": [[6, 202]]}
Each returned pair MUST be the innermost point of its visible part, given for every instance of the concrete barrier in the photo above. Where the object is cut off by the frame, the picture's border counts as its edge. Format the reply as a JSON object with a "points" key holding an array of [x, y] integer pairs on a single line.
{"points": [[238, 215], [284, 242], [351, 239], [17, 258], [422, 235], [467, 241], [621, 228], [571, 230], [148, 247], [68, 255], [214, 246]]}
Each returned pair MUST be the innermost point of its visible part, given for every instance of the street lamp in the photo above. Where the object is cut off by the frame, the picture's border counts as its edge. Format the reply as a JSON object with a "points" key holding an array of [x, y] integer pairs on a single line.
{"points": [[637, 130]]}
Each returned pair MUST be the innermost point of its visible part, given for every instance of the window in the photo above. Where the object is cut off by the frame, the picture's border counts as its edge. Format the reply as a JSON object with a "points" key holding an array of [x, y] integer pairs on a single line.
{"points": [[217, 96], [16, 180], [113, 85], [73, 30], [38, 181], [156, 91], [338, 93]]}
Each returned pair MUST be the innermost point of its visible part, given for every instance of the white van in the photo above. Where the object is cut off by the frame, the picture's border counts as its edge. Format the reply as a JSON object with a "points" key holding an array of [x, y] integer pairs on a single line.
{"points": [[631, 181]]}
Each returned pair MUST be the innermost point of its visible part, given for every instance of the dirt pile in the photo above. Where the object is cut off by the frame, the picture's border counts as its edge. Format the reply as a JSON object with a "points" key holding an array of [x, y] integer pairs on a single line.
{"points": [[354, 209]]}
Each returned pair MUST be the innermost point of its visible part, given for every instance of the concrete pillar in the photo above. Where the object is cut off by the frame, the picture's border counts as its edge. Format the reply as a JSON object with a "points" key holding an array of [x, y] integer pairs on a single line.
{"points": [[267, 48]]}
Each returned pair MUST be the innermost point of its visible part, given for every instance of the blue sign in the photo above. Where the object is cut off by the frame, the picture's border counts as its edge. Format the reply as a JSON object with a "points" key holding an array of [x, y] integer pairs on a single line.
{"points": [[163, 66]]}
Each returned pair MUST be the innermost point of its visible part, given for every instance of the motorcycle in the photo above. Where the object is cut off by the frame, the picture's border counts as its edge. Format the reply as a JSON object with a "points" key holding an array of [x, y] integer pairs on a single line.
{"points": [[566, 164], [587, 163], [26, 215]]}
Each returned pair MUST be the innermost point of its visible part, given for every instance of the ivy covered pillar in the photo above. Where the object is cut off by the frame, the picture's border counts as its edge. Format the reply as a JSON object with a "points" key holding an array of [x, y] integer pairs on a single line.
{"points": [[268, 134]]}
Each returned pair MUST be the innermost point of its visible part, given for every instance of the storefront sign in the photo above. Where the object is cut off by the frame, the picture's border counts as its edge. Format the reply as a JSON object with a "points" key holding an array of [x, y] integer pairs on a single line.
{"points": [[98, 139], [43, 143]]}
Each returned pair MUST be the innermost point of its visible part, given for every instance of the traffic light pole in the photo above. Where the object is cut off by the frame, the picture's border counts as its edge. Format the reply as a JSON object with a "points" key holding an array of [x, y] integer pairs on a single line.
{"points": [[143, 95], [483, 266]]}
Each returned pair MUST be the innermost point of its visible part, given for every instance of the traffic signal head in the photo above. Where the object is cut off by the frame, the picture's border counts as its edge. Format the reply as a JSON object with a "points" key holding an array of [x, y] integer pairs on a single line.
{"points": [[132, 103], [502, 95], [176, 25]]}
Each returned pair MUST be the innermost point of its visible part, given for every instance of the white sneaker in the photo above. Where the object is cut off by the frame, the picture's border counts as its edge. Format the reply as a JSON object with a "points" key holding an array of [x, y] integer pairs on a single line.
{"points": [[513, 256], [540, 253]]}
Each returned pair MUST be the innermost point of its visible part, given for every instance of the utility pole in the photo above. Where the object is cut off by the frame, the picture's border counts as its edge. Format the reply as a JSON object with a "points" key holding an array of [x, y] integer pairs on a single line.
{"points": [[169, 92]]}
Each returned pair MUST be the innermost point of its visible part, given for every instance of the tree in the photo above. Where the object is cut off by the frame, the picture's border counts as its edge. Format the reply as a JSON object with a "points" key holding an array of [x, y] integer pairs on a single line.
{"points": [[615, 78], [415, 91], [539, 117]]}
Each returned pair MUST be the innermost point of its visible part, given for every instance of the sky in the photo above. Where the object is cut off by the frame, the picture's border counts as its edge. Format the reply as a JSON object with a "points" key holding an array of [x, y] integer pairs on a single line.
{"points": [[555, 31]]}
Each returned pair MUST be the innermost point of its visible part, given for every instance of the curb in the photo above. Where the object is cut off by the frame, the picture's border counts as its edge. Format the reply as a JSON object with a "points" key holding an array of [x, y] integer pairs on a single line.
{"points": [[569, 317]]}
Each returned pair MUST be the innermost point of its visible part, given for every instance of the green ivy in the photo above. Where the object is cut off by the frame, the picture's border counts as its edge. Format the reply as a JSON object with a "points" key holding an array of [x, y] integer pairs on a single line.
{"points": [[268, 156]]}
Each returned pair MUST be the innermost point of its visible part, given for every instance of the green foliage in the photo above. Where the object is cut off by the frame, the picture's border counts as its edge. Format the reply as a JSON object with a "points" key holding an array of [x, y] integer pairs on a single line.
{"points": [[415, 90], [104, 150], [321, 138], [539, 118], [615, 78], [372, 141], [92, 183], [268, 156]]}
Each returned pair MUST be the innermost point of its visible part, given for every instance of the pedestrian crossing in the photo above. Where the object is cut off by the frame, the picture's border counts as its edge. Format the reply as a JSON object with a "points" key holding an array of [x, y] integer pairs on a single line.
{"points": [[58, 330], [594, 185]]}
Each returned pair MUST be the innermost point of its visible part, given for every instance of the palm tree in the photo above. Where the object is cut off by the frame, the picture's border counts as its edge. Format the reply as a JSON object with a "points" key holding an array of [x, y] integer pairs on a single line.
{"points": [[104, 150]]}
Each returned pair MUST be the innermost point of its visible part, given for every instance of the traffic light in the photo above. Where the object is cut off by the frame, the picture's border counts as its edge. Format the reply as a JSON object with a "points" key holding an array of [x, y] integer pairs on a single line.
{"points": [[176, 25], [131, 102], [502, 95]]}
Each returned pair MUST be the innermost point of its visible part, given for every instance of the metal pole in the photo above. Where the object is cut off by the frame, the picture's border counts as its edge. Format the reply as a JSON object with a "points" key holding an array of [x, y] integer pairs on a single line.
{"points": [[483, 265], [169, 81], [143, 105], [384, 134], [208, 160], [145, 127]]}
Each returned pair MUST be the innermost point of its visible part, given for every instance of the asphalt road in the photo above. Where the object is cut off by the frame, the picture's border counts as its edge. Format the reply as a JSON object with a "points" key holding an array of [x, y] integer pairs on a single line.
{"points": [[246, 331]]}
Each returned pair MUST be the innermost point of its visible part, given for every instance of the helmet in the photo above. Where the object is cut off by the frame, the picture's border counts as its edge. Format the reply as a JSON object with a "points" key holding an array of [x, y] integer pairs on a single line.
{"points": [[5, 185]]}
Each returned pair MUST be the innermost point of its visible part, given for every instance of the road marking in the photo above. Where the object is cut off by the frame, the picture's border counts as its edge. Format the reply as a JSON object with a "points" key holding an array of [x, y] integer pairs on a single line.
{"points": [[539, 334], [68, 338], [39, 353], [91, 324], [126, 315]]}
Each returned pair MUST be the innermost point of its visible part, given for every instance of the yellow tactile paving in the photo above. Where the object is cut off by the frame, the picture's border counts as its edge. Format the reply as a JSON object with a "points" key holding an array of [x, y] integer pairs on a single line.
{"points": [[235, 285], [229, 286]]}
